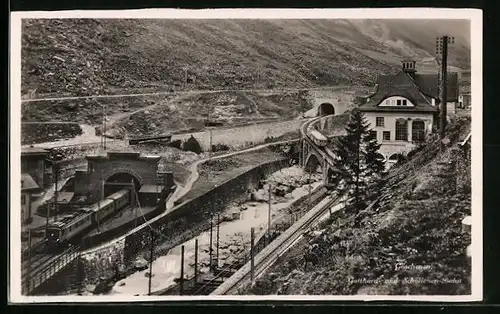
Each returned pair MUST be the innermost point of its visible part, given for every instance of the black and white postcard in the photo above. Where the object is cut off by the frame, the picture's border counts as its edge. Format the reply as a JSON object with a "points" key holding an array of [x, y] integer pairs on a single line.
{"points": [[246, 155]]}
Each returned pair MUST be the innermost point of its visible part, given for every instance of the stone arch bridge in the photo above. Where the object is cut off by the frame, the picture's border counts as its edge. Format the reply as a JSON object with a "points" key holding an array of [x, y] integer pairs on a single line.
{"points": [[312, 155]]}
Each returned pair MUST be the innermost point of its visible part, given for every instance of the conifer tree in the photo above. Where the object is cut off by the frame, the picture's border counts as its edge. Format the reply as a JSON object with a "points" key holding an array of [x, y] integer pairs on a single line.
{"points": [[358, 162]]}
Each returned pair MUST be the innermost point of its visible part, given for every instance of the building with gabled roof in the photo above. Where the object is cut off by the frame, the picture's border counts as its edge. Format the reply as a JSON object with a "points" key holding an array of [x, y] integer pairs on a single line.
{"points": [[404, 108], [28, 187]]}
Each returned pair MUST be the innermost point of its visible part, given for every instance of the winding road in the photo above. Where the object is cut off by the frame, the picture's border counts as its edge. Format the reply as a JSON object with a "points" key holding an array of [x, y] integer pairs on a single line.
{"points": [[282, 90]]}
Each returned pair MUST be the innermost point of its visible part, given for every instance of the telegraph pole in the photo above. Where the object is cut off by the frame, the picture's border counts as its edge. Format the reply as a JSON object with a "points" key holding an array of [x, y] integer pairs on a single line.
{"points": [[151, 259], [56, 192], [252, 249], [196, 260], [442, 49], [104, 120], [29, 261], [217, 252], [269, 213], [211, 236], [181, 289], [310, 189]]}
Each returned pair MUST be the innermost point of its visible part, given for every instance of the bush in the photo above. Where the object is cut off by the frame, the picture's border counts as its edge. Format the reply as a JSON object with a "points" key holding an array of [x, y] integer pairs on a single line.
{"points": [[192, 145]]}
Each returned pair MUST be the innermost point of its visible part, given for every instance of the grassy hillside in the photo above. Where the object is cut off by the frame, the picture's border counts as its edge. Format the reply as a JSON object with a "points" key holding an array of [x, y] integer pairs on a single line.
{"points": [[88, 56], [410, 241]]}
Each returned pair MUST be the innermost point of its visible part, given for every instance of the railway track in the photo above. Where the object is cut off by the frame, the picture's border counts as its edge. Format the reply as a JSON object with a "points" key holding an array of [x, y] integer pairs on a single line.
{"points": [[277, 248]]}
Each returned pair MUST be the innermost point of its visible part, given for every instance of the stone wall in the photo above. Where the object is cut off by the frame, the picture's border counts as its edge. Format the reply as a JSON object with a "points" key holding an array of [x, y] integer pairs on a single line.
{"points": [[182, 223], [103, 262], [242, 136]]}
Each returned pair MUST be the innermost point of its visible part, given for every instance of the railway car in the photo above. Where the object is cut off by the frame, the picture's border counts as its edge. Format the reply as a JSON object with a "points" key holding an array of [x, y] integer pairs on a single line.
{"points": [[110, 205], [317, 138], [121, 198], [102, 209], [69, 226]]}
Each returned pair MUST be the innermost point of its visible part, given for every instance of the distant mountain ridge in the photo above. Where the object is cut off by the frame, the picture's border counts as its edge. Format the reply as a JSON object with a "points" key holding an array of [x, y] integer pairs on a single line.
{"points": [[89, 56]]}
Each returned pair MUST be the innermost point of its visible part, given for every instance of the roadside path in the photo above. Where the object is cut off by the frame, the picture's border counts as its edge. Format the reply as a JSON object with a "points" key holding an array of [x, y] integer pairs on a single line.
{"points": [[177, 92]]}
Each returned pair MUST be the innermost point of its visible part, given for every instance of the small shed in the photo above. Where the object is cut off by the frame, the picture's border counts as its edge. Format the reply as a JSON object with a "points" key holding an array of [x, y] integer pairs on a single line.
{"points": [[149, 194]]}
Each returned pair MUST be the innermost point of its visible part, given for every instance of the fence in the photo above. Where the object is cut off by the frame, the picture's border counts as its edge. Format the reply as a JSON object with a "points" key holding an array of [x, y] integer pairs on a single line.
{"points": [[265, 239], [34, 279]]}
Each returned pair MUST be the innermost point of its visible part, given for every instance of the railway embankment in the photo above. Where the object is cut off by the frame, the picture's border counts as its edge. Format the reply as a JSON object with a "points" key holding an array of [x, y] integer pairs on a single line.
{"points": [[180, 224], [411, 241]]}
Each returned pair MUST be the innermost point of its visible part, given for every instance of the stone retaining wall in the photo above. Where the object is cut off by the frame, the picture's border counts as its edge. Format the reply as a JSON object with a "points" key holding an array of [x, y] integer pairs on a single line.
{"points": [[175, 227]]}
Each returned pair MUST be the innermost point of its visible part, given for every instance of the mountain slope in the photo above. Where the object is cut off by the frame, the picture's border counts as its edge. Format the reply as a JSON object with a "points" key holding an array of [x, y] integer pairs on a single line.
{"points": [[88, 56]]}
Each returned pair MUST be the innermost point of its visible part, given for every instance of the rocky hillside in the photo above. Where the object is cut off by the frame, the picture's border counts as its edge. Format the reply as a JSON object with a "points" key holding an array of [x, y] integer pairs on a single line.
{"points": [[88, 56], [409, 241]]}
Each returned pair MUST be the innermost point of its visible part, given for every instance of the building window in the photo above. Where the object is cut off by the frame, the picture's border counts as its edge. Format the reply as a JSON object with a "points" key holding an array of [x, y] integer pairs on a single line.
{"points": [[22, 184], [404, 102], [379, 121], [418, 131], [23, 199], [398, 102], [401, 130], [387, 135], [373, 135]]}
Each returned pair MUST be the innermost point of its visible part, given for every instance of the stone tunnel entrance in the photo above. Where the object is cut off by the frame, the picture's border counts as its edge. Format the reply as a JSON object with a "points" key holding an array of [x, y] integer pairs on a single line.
{"points": [[313, 164], [326, 109], [119, 181]]}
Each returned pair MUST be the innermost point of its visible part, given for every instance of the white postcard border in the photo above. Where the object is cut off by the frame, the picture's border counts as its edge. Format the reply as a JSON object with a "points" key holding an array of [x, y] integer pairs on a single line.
{"points": [[475, 16]]}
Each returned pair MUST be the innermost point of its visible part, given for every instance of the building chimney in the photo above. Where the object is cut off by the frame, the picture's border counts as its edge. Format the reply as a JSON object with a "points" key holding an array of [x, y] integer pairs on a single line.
{"points": [[409, 67]]}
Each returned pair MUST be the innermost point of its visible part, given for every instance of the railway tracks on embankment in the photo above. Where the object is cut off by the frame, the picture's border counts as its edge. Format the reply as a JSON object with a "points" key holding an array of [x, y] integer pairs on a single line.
{"points": [[270, 254]]}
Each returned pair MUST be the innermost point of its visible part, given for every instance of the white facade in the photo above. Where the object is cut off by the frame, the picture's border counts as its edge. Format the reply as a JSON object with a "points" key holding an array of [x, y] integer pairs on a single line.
{"points": [[386, 130]]}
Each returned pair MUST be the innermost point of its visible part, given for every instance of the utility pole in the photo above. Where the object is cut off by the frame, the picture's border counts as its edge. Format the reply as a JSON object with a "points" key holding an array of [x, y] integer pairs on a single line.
{"points": [[217, 252], [269, 213], [211, 236], [442, 49], [211, 149], [28, 277], [151, 237], [181, 289], [56, 192], [185, 77], [252, 264], [104, 120], [195, 261], [137, 201], [310, 189]]}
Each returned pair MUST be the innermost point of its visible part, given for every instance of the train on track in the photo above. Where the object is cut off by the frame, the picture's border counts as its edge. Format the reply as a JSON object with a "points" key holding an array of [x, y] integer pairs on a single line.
{"points": [[60, 232], [315, 136]]}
